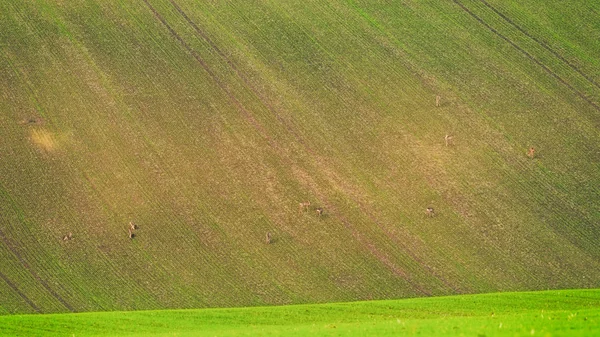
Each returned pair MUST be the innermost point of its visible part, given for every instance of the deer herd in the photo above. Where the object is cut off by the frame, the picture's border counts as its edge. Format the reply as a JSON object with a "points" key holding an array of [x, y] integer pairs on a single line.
{"points": [[429, 211], [131, 228], [305, 205]]}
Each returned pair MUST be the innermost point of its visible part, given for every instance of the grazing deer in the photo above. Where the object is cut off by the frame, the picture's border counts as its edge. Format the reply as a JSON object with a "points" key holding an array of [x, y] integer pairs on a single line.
{"points": [[304, 206], [438, 100], [31, 120], [531, 152], [319, 211], [132, 226], [68, 237], [268, 238], [449, 140], [131, 235], [430, 212]]}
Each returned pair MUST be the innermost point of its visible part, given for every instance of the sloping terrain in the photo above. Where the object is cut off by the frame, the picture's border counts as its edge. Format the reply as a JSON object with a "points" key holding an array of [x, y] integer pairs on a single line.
{"points": [[206, 123]]}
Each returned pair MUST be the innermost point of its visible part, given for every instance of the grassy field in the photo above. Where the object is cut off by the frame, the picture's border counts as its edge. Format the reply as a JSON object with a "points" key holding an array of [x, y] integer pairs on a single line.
{"points": [[207, 122], [548, 313]]}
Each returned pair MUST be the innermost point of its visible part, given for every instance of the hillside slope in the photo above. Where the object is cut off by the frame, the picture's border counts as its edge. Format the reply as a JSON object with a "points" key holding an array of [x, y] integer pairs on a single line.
{"points": [[206, 123]]}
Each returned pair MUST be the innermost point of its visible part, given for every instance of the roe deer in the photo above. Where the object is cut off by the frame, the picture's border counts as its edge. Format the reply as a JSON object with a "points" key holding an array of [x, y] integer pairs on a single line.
{"points": [[319, 211], [304, 206], [531, 152], [268, 238], [449, 140], [430, 212]]}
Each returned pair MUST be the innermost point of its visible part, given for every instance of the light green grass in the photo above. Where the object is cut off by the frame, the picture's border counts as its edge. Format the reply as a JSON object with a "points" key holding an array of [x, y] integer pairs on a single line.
{"points": [[551, 313], [207, 122]]}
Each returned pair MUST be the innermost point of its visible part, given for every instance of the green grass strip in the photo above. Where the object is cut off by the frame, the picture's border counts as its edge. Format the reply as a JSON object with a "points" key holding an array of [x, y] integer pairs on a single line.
{"points": [[546, 313]]}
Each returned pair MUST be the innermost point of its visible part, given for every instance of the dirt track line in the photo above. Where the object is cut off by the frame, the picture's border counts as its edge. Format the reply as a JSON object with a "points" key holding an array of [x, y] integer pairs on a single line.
{"points": [[215, 78], [541, 43], [240, 74], [371, 247], [407, 250], [528, 55], [383, 258], [11, 247], [25, 298]]}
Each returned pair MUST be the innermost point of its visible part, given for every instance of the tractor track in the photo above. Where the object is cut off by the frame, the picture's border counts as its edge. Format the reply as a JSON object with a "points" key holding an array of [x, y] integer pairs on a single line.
{"points": [[240, 74], [214, 77], [11, 246], [381, 257], [20, 293], [408, 251], [244, 78], [528, 55], [369, 245], [541, 43]]}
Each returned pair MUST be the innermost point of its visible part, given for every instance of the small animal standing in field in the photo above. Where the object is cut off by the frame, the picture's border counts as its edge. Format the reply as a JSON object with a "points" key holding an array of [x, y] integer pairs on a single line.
{"points": [[319, 211], [268, 238], [438, 100], [304, 206], [68, 237], [449, 140], [531, 152], [31, 121], [132, 228], [430, 212]]}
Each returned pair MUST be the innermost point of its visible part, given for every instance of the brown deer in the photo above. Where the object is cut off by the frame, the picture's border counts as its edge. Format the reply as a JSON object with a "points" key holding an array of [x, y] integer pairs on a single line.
{"points": [[438, 100], [430, 212], [132, 226], [31, 120], [319, 211], [131, 235], [531, 152], [268, 238], [68, 237], [449, 140], [304, 206]]}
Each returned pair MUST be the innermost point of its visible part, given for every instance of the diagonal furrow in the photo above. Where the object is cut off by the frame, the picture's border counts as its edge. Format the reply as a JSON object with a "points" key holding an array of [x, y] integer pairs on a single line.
{"points": [[370, 246], [529, 56], [11, 247], [383, 258], [20, 293], [215, 78], [541, 43], [240, 74], [408, 251]]}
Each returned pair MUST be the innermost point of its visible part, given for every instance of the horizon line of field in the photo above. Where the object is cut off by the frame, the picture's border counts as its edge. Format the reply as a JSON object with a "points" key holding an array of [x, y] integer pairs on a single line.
{"points": [[566, 293]]}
